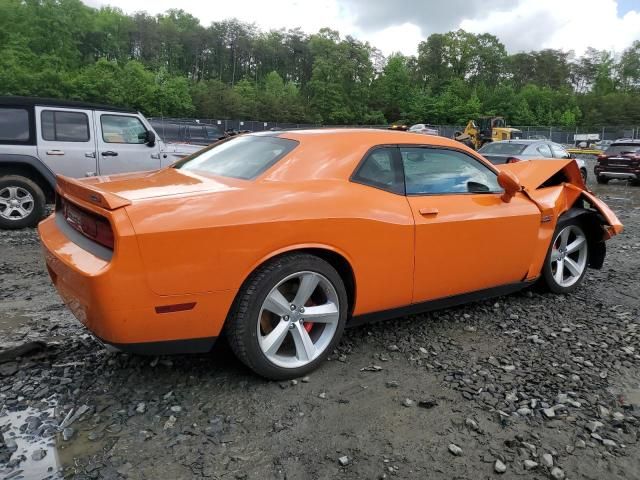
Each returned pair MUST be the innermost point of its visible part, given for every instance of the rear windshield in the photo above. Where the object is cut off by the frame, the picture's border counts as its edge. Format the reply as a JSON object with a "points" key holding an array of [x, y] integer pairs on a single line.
{"points": [[243, 157], [619, 149], [503, 148]]}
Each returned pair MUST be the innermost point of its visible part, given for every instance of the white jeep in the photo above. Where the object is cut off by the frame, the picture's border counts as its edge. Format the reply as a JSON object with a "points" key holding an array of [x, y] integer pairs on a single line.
{"points": [[41, 138]]}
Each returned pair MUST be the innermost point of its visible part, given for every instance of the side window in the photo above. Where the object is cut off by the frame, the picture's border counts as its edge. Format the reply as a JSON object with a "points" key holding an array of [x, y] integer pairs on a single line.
{"points": [[559, 152], [544, 150], [432, 171], [122, 129], [378, 170], [60, 126], [14, 125]]}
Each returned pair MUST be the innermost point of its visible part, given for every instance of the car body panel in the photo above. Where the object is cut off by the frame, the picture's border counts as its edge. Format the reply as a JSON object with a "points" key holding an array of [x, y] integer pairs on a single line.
{"points": [[184, 237]]}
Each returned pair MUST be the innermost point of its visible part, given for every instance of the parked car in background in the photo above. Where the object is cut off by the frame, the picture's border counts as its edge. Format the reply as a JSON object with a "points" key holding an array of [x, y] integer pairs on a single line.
{"points": [[41, 138], [424, 129], [621, 160], [376, 224], [512, 151], [187, 132], [602, 144]]}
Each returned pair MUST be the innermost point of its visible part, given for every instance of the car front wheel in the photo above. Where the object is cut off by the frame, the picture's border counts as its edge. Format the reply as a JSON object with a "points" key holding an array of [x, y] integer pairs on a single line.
{"points": [[602, 180], [568, 257], [288, 317]]}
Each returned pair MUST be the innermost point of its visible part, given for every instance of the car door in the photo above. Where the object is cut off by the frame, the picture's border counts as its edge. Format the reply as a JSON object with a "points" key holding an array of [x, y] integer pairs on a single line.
{"points": [[66, 142], [466, 237], [122, 144]]}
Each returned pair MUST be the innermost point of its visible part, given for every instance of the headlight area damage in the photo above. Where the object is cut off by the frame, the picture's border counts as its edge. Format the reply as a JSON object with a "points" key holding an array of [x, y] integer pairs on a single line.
{"points": [[558, 190]]}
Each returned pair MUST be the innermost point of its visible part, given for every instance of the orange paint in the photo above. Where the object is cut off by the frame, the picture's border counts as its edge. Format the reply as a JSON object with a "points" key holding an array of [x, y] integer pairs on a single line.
{"points": [[188, 238]]}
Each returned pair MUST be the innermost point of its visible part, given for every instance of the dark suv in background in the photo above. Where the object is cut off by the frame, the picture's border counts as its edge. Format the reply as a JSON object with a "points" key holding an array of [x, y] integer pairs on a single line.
{"points": [[621, 160]]}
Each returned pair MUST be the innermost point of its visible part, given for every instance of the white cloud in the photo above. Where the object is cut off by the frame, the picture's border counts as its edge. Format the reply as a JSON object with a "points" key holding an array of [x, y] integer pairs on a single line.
{"points": [[566, 25], [392, 26]]}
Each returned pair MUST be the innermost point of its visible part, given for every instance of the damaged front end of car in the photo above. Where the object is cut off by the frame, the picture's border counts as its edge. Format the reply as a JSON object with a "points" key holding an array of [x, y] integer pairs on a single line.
{"points": [[558, 190]]}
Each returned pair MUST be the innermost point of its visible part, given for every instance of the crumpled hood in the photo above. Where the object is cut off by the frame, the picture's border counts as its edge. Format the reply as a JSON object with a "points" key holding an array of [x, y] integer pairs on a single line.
{"points": [[161, 183], [533, 173]]}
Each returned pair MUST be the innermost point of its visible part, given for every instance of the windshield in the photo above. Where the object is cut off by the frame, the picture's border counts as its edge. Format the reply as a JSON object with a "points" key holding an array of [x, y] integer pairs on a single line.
{"points": [[503, 148], [243, 157], [624, 148]]}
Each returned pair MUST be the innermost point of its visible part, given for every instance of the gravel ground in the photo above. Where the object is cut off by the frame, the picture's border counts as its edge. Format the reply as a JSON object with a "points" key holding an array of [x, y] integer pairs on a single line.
{"points": [[530, 385]]}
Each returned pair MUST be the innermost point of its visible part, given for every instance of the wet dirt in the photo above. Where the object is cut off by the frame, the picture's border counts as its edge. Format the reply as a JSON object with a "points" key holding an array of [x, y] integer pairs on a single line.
{"points": [[526, 377]]}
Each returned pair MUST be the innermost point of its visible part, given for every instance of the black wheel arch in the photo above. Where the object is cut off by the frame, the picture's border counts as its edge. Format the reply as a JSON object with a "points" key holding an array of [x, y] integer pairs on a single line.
{"points": [[593, 223], [31, 168]]}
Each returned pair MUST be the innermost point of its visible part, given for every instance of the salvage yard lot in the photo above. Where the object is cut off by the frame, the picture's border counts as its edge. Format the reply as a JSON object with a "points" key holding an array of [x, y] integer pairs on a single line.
{"points": [[540, 384]]}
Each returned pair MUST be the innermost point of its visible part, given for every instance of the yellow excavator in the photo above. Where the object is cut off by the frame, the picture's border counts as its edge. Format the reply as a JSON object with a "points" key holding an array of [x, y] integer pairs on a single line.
{"points": [[485, 130]]}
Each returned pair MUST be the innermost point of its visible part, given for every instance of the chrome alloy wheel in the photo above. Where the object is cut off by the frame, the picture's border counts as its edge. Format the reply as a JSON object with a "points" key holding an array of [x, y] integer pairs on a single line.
{"points": [[298, 319], [16, 203], [569, 256]]}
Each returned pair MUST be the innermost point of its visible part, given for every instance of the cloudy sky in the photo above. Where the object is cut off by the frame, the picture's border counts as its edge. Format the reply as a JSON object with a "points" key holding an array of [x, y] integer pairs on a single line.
{"points": [[399, 25]]}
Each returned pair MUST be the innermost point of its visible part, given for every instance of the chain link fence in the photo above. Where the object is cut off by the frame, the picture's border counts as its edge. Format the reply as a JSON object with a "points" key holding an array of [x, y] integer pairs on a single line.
{"points": [[208, 130]]}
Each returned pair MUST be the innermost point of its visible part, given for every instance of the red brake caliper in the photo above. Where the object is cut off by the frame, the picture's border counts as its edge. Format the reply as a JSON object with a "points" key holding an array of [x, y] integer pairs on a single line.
{"points": [[307, 326]]}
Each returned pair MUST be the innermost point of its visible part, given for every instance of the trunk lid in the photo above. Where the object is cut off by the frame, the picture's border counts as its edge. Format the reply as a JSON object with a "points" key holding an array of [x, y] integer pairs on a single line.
{"points": [[122, 190]]}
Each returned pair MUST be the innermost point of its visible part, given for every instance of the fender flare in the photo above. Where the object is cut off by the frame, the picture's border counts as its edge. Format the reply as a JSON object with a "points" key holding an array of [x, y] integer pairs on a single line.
{"points": [[593, 221], [41, 168]]}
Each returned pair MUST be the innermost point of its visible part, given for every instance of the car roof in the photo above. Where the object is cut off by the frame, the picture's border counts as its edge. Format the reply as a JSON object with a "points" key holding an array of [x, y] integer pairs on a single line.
{"points": [[372, 136], [18, 101]]}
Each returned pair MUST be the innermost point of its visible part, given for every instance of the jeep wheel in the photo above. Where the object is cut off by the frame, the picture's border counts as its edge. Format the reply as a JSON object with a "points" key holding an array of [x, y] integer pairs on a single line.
{"points": [[22, 202]]}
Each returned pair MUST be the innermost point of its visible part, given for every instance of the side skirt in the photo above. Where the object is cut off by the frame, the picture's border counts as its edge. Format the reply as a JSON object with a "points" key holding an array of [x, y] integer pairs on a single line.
{"points": [[438, 304]]}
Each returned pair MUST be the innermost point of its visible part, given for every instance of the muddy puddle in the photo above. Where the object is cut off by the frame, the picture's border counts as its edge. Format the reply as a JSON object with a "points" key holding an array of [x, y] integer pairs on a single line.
{"points": [[29, 437]]}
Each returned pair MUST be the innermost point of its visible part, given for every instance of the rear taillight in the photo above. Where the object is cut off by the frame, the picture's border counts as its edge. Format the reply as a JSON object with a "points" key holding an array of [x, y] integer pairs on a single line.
{"points": [[92, 226], [512, 160]]}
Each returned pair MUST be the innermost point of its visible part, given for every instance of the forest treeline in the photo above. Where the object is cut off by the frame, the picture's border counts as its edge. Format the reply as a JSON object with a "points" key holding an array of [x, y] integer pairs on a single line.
{"points": [[172, 65]]}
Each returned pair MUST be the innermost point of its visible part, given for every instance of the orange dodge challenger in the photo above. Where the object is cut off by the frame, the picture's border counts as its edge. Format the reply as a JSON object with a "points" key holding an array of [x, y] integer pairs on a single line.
{"points": [[280, 239]]}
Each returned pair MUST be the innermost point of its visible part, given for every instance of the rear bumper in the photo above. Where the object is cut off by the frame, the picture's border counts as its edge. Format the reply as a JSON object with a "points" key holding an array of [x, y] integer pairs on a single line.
{"points": [[620, 175], [167, 347], [111, 297]]}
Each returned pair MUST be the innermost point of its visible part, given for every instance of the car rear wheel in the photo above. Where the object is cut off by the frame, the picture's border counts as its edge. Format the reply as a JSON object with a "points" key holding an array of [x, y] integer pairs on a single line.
{"points": [[288, 317], [22, 202], [568, 257], [602, 180]]}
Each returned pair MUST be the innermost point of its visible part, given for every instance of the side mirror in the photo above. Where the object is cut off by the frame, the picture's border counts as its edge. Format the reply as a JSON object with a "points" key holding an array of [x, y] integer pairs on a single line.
{"points": [[510, 183], [150, 138]]}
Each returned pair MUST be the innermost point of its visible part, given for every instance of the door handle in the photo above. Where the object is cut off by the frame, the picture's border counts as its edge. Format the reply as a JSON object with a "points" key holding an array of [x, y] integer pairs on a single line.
{"points": [[428, 211], [109, 153], [55, 152], [90, 154], [155, 156]]}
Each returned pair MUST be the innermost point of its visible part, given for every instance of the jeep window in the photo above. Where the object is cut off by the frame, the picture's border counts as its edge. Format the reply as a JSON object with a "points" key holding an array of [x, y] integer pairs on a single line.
{"points": [[122, 129], [14, 124], [244, 157], [58, 126]]}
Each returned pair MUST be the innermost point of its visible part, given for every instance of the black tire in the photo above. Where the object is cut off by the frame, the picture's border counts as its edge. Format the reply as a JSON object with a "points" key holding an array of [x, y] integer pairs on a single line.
{"points": [[602, 180], [547, 270], [241, 324], [39, 202]]}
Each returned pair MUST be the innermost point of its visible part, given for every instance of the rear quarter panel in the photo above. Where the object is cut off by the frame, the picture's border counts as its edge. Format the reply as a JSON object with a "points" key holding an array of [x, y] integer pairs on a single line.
{"points": [[212, 242]]}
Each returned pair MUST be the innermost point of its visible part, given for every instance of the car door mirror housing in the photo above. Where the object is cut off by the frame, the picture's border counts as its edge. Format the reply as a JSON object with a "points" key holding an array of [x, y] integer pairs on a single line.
{"points": [[150, 138], [510, 183]]}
